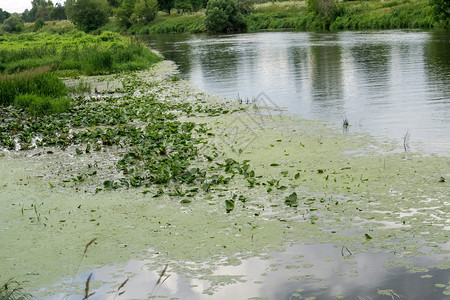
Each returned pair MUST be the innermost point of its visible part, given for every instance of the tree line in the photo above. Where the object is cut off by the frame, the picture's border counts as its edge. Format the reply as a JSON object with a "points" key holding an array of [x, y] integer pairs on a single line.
{"points": [[220, 15]]}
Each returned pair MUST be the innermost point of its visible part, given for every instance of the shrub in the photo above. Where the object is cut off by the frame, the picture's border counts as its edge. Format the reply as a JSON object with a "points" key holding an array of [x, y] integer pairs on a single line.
{"points": [[124, 12], [38, 24], [441, 11], [183, 6], [88, 15], [13, 24], [224, 16], [328, 10], [166, 5], [145, 11]]}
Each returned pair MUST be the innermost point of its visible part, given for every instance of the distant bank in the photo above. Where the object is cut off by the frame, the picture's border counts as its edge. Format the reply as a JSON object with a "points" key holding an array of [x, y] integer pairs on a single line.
{"points": [[294, 15]]}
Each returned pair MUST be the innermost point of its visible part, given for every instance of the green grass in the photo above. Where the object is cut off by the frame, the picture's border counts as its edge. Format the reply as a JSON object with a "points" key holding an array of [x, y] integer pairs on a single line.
{"points": [[52, 27], [192, 23], [352, 15], [35, 81], [30, 64], [42, 105], [294, 15], [385, 15], [74, 53], [164, 23], [272, 15]]}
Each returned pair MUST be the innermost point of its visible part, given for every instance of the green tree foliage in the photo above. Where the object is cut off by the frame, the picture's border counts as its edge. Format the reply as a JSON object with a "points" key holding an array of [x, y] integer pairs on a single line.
{"points": [[328, 10], [441, 11], [115, 3], [224, 16], [26, 17], [198, 4], [183, 6], [38, 24], [166, 5], [4, 15], [39, 9], [246, 6], [145, 11], [58, 12], [43, 12], [44, 9], [13, 24], [124, 12], [88, 15], [37, 3], [323, 8]]}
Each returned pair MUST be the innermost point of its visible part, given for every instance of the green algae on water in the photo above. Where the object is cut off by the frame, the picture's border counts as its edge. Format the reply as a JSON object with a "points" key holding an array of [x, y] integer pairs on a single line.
{"points": [[54, 203]]}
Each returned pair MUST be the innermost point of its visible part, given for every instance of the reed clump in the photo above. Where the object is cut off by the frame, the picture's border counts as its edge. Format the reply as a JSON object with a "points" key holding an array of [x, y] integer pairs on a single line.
{"points": [[74, 53], [12, 290], [38, 82]]}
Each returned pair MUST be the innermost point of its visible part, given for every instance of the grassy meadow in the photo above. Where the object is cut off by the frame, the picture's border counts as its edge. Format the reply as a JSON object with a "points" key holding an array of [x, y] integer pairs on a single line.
{"points": [[74, 53], [32, 63]]}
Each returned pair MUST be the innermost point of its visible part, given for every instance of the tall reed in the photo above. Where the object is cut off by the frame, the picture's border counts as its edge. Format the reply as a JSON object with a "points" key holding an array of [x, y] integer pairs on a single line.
{"points": [[36, 81]]}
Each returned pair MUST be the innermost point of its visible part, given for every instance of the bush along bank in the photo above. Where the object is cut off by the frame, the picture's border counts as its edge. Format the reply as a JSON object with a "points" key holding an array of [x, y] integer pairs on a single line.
{"points": [[300, 15], [354, 15]]}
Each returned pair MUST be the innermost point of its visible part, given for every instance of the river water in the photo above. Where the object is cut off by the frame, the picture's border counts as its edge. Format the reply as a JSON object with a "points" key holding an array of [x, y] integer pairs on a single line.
{"points": [[386, 83]]}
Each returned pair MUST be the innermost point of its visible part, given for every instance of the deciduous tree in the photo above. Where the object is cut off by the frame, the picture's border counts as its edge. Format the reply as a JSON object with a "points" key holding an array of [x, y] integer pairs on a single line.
{"points": [[88, 15], [4, 15], [124, 12], [13, 24], [441, 11], [224, 16], [145, 11], [58, 12], [166, 5]]}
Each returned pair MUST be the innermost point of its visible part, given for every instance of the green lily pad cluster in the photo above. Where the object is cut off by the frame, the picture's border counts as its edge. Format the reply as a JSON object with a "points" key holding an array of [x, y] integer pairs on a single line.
{"points": [[153, 145]]}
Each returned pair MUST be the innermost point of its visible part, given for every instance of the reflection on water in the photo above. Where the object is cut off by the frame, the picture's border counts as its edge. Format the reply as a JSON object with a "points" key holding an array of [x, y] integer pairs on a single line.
{"points": [[384, 82], [320, 271]]}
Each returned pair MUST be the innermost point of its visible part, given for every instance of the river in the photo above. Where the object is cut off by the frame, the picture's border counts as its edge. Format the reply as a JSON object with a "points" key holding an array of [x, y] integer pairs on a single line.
{"points": [[366, 226], [386, 83]]}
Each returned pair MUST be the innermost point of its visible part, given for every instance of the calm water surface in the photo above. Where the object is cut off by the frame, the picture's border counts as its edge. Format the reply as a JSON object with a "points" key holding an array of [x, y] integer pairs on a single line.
{"points": [[300, 272], [384, 82]]}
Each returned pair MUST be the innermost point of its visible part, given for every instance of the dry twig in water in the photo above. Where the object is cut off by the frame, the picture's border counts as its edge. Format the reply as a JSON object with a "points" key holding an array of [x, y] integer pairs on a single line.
{"points": [[86, 289]]}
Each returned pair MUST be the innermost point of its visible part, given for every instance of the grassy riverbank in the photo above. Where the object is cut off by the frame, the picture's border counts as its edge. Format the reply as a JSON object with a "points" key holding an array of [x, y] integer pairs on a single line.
{"points": [[294, 15], [74, 53], [32, 62], [286, 15], [352, 15]]}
